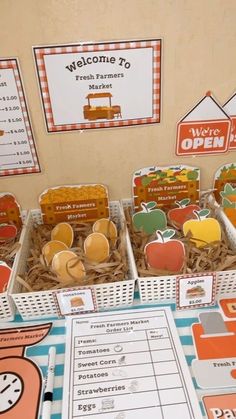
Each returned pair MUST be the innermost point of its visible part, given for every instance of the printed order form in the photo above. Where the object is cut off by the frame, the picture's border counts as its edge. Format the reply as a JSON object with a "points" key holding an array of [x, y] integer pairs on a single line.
{"points": [[127, 364]]}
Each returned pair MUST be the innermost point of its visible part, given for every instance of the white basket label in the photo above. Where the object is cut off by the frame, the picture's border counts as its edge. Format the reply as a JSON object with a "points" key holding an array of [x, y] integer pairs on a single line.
{"points": [[194, 291], [75, 301]]}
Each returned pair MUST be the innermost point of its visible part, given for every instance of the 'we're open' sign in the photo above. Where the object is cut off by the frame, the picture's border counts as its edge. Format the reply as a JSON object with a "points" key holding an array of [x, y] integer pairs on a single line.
{"points": [[204, 130]]}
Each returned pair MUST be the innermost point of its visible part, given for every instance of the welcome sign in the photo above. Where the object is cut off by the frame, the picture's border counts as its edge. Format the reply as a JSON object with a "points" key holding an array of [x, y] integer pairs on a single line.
{"points": [[100, 85]]}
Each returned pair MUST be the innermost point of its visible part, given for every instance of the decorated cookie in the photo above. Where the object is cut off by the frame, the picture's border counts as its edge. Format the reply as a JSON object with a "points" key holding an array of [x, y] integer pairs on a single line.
{"points": [[51, 248], [96, 247], [64, 233], [165, 253], [150, 218], [106, 227], [67, 266], [202, 230], [184, 212]]}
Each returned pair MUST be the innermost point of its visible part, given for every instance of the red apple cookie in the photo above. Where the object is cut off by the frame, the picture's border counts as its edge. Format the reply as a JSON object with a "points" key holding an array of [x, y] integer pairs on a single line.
{"points": [[165, 254]]}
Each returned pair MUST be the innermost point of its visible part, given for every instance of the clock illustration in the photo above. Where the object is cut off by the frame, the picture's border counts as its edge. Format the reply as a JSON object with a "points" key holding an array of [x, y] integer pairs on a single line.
{"points": [[20, 377], [11, 389]]}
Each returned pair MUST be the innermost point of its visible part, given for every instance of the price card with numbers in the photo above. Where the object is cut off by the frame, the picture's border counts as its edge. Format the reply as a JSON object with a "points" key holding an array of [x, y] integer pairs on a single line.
{"points": [[17, 149]]}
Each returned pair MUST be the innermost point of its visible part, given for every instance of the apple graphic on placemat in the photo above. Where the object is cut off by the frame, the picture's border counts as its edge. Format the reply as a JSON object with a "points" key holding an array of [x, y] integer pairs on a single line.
{"points": [[202, 230], [5, 273], [7, 232], [165, 253], [150, 218], [184, 212]]}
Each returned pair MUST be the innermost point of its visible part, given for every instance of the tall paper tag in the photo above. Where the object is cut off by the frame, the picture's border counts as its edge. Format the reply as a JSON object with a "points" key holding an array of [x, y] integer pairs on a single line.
{"points": [[230, 108], [10, 210], [225, 190], [165, 185], [81, 203]]}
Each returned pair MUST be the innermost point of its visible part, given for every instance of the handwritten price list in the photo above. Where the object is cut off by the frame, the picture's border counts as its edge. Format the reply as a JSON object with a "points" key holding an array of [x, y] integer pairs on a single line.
{"points": [[17, 150]]}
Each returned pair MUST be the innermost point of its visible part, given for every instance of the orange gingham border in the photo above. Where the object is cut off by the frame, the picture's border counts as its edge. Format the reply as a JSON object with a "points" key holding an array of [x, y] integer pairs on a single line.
{"points": [[12, 63], [39, 53]]}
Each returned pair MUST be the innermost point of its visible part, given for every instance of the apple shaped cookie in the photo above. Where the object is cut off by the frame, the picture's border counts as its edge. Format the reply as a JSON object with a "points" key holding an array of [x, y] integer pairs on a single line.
{"points": [[184, 212], [7, 232], [149, 219], [164, 253], [5, 273], [202, 230]]}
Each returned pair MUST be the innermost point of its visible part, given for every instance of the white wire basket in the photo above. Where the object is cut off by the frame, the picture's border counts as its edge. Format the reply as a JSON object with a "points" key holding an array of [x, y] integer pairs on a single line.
{"points": [[162, 288], [7, 306], [41, 304]]}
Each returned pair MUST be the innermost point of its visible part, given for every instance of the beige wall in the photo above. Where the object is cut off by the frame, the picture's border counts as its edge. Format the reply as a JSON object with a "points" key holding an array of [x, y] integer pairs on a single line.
{"points": [[199, 54]]}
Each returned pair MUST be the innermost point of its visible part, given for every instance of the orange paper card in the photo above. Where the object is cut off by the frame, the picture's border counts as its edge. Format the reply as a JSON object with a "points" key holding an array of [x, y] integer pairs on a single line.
{"points": [[220, 406], [228, 306], [81, 203], [165, 185], [20, 377], [230, 108], [9, 210], [213, 346], [225, 190]]}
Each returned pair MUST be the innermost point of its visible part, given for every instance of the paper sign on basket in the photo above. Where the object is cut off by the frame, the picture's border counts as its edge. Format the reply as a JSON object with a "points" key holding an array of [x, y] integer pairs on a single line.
{"points": [[228, 305], [215, 346], [220, 406], [10, 210], [79, 203], [204, 130], [21, 380], [75, 301], [194, 291], [230, 108], [225, 190], [165, 185]]}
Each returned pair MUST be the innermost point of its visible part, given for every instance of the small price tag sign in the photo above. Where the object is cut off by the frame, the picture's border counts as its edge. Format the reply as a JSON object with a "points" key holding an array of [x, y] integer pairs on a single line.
{"points": [[195, 291], [75, 301]]}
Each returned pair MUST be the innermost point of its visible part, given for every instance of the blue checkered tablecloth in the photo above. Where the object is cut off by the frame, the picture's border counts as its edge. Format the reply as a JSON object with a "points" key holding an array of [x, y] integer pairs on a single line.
{"points": [[56, 337]]}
